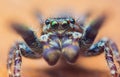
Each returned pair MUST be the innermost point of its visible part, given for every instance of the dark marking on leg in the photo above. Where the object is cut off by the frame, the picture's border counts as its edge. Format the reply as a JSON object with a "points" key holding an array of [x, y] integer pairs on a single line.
{"points": [[29, 36], [15, 57], [111, 51], [110, 61], [92, 30]]}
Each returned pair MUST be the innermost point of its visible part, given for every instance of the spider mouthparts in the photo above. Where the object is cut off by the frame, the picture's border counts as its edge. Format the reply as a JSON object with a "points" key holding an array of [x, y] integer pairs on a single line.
{"points": [[51, 56]]}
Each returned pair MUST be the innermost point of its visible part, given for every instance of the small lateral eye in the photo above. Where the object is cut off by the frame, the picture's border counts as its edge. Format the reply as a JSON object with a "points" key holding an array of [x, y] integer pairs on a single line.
{"points": [[47, 22], [54, 24], [72, 21]]}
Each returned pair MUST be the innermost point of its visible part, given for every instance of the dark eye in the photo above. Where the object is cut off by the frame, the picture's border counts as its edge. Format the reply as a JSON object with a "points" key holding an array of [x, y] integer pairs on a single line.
{"points": [[54, 24], [72, 21], [47, 22], [65, 24]]}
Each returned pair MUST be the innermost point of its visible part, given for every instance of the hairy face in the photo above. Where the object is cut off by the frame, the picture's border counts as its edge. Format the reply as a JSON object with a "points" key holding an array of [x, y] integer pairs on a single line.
{"points": [[58, 24]]}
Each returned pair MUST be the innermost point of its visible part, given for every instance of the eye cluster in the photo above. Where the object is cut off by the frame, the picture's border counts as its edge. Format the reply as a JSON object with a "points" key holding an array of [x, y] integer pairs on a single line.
{"points": [[55, 23]]}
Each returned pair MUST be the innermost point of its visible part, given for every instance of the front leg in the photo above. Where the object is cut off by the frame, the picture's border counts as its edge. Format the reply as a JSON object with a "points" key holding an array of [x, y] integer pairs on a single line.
{"points": [[31, 49], [29, 37], [15, 57], [110, 48], [92, 30]]}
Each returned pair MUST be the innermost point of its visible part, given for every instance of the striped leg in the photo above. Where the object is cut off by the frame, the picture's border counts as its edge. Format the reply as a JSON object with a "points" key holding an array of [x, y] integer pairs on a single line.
{"points": [[17, 63], [10, 61], [110, 49], [33, 49], [15, 57]]}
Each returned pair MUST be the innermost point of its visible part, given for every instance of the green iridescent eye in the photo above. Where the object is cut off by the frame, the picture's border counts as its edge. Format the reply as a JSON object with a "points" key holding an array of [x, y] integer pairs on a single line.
{"points": [[65, 24], [54, 23]]}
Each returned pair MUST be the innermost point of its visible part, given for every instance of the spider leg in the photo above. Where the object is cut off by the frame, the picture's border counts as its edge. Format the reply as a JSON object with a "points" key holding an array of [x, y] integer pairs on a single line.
{"points": [[10, 61], [92, 30], [109, 47], [29, 37], [31, 49], [15, 56]]}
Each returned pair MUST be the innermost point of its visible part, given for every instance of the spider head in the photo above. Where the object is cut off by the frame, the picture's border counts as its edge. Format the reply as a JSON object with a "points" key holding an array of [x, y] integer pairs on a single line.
{"points": [[58, 24]]}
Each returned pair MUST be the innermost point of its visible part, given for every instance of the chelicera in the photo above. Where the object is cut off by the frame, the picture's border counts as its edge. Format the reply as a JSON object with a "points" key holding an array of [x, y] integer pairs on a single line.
{"points": [[62, 37]]}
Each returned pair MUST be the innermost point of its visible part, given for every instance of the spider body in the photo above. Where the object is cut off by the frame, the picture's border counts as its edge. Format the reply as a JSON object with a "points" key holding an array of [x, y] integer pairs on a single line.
{"points": [[62, 36]]}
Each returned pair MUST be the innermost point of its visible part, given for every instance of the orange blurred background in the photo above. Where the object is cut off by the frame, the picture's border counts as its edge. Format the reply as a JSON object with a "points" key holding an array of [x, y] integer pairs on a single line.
{"points": [[22, 11]]}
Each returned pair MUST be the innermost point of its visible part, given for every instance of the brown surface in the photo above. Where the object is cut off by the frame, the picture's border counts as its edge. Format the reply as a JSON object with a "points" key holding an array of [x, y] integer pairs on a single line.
{"points": [[21, 11]]}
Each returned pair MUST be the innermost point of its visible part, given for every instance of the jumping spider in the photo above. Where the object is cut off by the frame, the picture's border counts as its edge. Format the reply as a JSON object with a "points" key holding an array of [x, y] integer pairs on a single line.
{"points": [[62, 36]]}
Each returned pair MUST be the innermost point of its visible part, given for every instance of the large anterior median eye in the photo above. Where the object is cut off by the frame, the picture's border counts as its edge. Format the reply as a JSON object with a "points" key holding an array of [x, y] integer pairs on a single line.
{"points": [[54, 24], [65, 24]]}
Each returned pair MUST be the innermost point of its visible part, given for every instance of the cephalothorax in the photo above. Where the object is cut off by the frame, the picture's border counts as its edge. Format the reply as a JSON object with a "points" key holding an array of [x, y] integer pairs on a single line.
{"points": [[62, 37]]}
